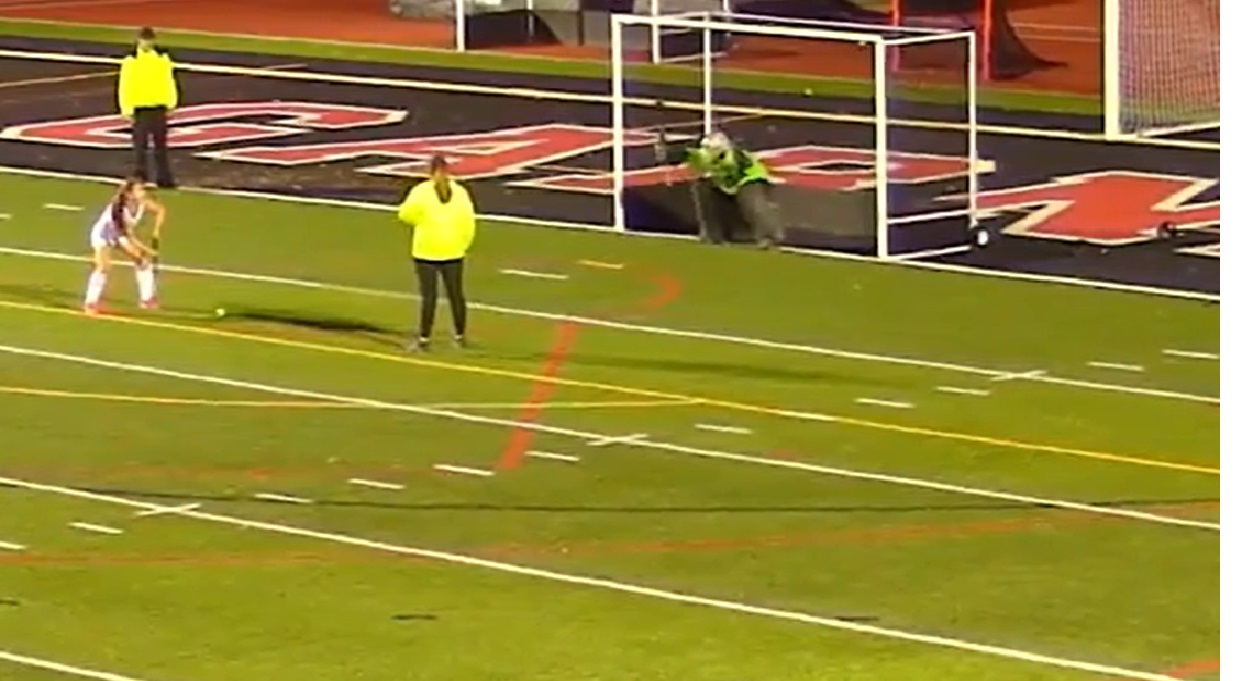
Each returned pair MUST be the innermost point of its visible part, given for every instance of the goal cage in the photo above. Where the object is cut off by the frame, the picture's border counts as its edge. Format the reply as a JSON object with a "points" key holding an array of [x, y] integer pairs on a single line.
{"points": [[1162, 68], [873, 163]]}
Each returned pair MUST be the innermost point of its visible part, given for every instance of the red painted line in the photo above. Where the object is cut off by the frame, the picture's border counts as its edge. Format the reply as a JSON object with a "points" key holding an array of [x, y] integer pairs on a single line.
{"points": [[521, 439], [1197, 668]]}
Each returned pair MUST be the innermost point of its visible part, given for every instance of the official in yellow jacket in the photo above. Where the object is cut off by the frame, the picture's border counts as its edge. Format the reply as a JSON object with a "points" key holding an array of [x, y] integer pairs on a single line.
{"points": [[147, 93], [444, 222]]}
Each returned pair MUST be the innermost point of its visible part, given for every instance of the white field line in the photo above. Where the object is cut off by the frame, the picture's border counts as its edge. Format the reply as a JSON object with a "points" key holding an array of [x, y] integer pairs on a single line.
{"points": [[553, 456], [1193, 354], [611, 440], [10, 546], [530, 274], [62, 207], [969, 270], [974, 392], [55, 79], [1116, 366], [589, 437], [97, 529], [61, 668], [376, 484], [165, 510], [617, 586], [462, 470], [6, 216], [892, 404], [731, 430], [602, 265], [283, 498], [606, 99], [1037, 376]]}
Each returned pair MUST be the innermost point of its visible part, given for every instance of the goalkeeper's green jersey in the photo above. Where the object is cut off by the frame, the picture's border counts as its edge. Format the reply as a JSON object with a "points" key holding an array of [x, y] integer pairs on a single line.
{"points": [[729, 170]]}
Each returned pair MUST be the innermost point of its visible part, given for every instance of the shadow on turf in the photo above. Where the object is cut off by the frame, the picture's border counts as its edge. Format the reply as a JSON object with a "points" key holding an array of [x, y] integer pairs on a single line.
{"points": [[722, 369], [316, 322], [538, 508]]}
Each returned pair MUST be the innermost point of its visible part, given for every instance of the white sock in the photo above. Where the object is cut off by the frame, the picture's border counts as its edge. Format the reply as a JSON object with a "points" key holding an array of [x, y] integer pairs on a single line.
{"points": [[145, 282], [94, 287]]}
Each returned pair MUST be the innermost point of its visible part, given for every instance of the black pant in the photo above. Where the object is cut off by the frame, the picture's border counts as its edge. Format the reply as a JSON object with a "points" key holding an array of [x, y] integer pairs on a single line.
{"points": [[150, 132], [452, 274]]}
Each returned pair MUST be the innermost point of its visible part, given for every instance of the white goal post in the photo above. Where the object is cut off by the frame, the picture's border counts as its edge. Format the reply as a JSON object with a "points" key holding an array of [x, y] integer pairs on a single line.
{"points": [[1161, 67], [882, 42]]}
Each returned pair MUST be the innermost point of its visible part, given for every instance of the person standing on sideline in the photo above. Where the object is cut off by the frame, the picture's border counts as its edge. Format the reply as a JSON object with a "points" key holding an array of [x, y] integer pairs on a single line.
{"points": [[443, 220], [147, 93]]}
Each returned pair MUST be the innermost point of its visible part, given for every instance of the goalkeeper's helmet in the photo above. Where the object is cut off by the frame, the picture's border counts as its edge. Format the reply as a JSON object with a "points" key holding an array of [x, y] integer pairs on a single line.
{"points": [[716, 141]]}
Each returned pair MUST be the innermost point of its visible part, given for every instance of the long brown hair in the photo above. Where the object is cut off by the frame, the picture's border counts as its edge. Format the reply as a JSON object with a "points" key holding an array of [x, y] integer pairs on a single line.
{"points": [[441, 177]]}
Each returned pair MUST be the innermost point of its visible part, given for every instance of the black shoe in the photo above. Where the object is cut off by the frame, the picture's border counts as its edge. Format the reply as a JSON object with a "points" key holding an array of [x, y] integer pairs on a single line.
{"points": [[419, 345]]}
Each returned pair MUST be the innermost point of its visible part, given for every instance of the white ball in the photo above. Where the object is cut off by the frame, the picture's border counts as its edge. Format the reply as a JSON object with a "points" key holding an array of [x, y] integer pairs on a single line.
{"points": [[220, 312]]}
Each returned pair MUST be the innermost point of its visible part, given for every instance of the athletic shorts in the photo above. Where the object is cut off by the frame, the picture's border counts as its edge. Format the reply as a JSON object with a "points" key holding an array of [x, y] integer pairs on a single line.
{"points": [[105, 235]]}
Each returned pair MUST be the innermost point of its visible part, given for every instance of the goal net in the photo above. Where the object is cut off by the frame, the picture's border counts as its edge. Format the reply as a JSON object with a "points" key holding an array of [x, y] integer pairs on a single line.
{"points": [[1161, 67], [864, 157]]}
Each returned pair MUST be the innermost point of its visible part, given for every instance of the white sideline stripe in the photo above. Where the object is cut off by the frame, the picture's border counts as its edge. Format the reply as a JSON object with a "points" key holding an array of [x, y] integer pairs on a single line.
{"points": [[606, 99], [602, 265], [533, 275], [976, 392], [1038, 376], [287, 499], [376, 484], [885, 403], [715, 454], [166, 510], [97, 529], [607, 441], [463, 470], [1116, 366], [62, 668], [733, 430], [62, 206], [10, 546], [6, 216], [54, 79], [553, 456], [1193, 354], [1025, 375], [612, 585]]}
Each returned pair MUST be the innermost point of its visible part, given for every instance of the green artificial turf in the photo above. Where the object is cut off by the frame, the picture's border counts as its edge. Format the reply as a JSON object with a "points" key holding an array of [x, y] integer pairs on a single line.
{"points": [[775, 517]]}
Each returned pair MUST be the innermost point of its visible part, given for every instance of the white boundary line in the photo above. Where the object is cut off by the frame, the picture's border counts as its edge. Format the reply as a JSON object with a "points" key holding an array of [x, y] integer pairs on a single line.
{"points": [[642, 442], [892, 404], [164, 510], [613, 585], [62, 668], [1193, 354], [10, 546], [605, 99], [376, 484], [553, 456], [463, 470], [97, 529], [283, 498], [610, 229], [1116, 366], [1038, 376]]}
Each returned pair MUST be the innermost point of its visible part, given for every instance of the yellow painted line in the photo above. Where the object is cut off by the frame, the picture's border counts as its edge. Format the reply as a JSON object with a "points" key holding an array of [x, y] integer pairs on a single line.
{"points": [[639, 392]]}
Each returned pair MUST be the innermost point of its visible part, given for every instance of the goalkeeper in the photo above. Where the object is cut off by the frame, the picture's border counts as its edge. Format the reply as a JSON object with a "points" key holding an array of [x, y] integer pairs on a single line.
{"points": [[728, 177]]}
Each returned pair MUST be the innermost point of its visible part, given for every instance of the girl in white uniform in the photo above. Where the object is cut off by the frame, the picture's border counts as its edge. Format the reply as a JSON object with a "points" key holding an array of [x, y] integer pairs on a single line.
{"points": [[115, 229]]}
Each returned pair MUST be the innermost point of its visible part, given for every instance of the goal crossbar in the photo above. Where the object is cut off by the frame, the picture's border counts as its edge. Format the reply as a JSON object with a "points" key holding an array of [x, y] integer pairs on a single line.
{"points": [[739, 17]]}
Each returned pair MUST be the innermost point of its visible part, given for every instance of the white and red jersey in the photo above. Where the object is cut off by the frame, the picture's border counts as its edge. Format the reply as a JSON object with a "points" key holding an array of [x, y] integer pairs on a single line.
{"points": [[112, 227]]}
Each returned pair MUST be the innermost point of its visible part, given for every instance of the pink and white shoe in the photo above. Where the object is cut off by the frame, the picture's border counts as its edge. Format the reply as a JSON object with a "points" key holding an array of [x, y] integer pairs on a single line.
{"points": [[151, 304]]}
